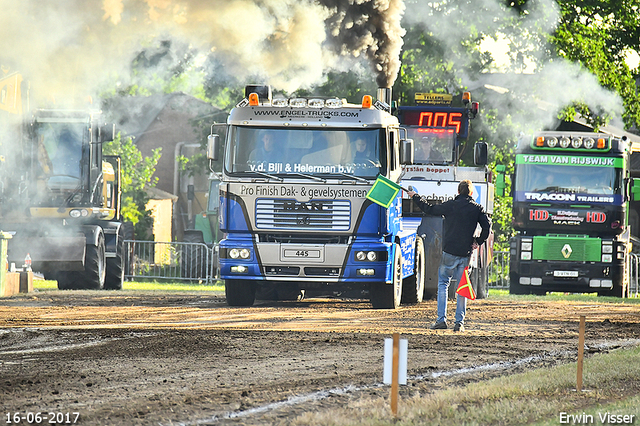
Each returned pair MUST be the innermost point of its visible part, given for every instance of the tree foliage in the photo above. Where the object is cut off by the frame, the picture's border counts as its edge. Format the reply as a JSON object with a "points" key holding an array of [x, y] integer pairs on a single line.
{"points": [[136, 178], [442, 52]]}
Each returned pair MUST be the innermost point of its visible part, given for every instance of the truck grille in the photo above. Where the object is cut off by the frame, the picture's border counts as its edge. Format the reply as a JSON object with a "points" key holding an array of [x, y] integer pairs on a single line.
{"points": [[563, 248], [329, 215]]}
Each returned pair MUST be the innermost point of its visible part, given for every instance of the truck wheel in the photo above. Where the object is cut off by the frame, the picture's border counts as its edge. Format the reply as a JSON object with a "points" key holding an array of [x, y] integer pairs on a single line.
{"points": [[115, 267], [413, 286], [616, 291], [194, 257], [240, 292], [388, 296], [515, 287], [94, 266], [66, 281], [479, 282]]}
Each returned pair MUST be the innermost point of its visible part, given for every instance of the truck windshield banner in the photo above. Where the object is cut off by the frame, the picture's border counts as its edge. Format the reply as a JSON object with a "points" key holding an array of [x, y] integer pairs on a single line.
{"points": [[556, 179], [569, 160]]}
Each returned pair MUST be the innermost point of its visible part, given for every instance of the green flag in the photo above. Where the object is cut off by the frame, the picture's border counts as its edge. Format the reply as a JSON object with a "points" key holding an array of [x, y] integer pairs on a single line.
{"points": [[383, 191]]}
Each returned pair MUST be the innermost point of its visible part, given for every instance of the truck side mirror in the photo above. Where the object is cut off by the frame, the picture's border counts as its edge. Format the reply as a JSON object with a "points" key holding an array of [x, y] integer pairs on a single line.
{"points": [[635, 189], [480, 153], [107, 132], [213, 146], [501, 186], [406, 151]]}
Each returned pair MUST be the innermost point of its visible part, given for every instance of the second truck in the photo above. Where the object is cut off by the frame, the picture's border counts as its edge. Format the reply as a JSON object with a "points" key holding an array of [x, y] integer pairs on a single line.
{"points": [[575, 210], [60, 200]]}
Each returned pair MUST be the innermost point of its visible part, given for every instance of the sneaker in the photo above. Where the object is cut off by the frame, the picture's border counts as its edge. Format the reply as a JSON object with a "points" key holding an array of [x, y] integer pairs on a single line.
{"points": [[458, 327], [438, 326]]}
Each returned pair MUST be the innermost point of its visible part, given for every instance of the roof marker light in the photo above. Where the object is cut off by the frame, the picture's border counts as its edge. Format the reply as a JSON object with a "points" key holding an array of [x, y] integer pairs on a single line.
{"points": [[298, 102], [367, 100], [601, 143], [576, 143], [253, 99], [466, 97], [540, 141], [280, 102], [589, 142], [315, 103]]}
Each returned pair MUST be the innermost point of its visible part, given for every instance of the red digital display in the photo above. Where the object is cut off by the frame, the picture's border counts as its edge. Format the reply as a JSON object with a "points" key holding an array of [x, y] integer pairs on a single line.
{"points": [[441, 119], [436, 117]]}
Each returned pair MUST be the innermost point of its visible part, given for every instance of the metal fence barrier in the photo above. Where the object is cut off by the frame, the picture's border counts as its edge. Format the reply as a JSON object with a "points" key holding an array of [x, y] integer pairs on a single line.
{"points": [[193, 262], [635, 268], [197, 262], [499, 270]]}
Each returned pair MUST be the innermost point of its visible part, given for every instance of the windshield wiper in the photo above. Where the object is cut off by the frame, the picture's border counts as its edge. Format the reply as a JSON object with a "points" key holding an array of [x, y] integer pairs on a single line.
{"points": [[358, 178], [316, 178], [268, 176]]}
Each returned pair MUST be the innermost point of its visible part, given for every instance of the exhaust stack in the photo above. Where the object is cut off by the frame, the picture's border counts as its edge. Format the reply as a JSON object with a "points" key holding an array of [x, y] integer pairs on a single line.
{"points": [[384, 99]]}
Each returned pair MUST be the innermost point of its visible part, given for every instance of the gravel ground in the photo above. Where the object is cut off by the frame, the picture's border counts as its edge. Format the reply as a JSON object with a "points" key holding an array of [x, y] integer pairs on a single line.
{"points": [[155, 358]]}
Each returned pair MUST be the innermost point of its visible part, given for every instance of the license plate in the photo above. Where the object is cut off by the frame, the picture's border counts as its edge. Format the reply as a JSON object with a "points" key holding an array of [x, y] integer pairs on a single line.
{"points": [[305, 254], [565, 274]]}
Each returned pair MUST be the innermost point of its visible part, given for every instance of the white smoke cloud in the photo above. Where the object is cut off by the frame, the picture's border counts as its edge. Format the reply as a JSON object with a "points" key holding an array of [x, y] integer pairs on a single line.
{"points": [[69, 49], [551, 86]]}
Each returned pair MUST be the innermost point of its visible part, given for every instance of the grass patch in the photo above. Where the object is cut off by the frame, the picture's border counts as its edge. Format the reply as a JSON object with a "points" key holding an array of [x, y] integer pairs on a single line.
{"points": [[145, 286], [536, 397], [577, 297]]}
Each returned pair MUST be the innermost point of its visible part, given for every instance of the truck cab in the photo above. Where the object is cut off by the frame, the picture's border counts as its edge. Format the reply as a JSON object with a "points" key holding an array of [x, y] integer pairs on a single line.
{"points": [[293, 199]]}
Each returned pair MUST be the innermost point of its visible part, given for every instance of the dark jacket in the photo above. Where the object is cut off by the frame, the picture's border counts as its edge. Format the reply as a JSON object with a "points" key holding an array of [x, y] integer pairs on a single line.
{"points": [[461, 216]]}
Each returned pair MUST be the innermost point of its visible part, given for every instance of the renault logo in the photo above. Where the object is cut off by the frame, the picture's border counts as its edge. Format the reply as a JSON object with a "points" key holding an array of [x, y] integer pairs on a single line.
{"points": [[566, 251]]}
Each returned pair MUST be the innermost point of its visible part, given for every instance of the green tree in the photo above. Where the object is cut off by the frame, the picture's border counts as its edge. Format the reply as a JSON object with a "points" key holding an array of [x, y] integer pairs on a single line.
{"points": [[598, 34], [136, 177]]}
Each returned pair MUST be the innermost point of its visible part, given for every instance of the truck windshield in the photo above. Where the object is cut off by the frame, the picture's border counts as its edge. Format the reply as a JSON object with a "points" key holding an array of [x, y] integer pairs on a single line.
{"points": [[60, 148], [556, 179], [432, 145], [305, 151]]}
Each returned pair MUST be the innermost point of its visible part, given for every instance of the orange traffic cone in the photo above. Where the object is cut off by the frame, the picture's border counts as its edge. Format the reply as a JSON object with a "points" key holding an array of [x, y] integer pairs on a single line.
{"points": [[465, 288]]}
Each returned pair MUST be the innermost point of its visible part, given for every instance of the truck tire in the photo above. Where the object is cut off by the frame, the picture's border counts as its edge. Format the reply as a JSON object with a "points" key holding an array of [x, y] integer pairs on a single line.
{"points": [[95, 270], [193, 260], [115, 265], [388, 296], [515, 287], [65, 280], [413, 286], [479, 282], [240, 292]]}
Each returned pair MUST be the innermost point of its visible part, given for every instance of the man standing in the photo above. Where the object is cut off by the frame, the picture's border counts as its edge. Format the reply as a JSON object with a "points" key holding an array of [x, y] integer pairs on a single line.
{"points": [[461, 217]]}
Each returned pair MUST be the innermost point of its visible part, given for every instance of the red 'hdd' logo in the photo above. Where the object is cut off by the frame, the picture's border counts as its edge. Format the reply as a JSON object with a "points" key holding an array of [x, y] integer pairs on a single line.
{"points": [[596, 217], [538, 215]]}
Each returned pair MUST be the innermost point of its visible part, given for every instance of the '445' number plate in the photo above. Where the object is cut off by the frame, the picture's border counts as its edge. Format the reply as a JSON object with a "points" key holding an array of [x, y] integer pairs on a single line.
{"points": [[309, 253]]}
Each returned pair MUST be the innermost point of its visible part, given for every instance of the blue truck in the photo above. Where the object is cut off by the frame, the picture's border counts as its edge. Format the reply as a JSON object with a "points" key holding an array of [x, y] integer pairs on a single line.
{"points": [[293, 208]]}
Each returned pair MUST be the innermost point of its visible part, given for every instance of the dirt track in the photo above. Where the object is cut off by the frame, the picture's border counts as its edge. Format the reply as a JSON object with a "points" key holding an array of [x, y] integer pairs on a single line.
{"points": [[142, 358]]}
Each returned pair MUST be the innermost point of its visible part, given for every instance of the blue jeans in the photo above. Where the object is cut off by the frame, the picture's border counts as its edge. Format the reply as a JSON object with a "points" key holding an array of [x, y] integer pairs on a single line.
{"points": [[451, 270]]}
